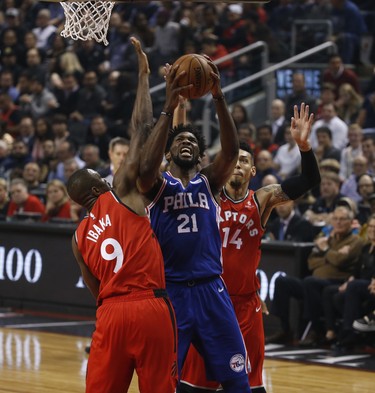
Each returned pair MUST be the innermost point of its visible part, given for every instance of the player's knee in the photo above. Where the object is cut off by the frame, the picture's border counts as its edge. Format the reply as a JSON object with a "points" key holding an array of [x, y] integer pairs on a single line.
{"points": [[237, 385], [185, 388]]}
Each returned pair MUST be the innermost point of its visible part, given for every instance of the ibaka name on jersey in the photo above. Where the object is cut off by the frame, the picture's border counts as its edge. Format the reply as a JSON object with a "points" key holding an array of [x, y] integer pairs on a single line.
{"points": [[242, 218], [97, 229], [183, 200]]}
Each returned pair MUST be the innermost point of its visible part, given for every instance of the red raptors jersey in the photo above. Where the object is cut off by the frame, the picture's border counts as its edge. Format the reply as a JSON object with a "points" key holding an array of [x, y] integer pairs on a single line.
{"points": [[241, 233], [120, 248]]}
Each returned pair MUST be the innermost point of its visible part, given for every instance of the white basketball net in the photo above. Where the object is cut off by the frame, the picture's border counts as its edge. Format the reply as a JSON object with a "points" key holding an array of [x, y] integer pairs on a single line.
{"points": [[87, 20]]}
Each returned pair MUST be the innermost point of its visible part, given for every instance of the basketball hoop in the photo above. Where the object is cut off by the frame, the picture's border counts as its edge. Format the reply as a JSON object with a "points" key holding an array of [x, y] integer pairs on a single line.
{"points": [[89, 19]]}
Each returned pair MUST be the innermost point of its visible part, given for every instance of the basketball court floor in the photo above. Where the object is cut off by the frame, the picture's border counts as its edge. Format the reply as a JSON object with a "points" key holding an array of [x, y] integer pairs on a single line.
{"points": [[45, 353]]}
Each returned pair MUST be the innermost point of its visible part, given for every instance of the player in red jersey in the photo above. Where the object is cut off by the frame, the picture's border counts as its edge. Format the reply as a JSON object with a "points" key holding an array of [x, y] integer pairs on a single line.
{"points": [[244, 214], [122, 265]]}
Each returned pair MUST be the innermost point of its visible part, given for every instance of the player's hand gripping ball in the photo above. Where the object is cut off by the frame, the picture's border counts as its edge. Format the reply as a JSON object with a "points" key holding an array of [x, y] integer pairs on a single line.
{"points": [[198, 73]]}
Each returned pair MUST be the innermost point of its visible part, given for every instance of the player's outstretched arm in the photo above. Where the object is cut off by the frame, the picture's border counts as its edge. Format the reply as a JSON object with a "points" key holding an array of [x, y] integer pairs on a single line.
{"points": [[223, 165], [153, 151], [295, 186], [139, 128]]}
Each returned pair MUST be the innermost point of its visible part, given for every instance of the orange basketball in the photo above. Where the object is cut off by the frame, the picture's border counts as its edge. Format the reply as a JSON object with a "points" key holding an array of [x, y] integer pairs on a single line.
{"points": [[198, 73]]}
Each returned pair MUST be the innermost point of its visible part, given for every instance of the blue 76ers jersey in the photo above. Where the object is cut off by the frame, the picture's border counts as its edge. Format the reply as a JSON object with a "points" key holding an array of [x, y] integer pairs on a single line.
{"points": [[186, 223]]}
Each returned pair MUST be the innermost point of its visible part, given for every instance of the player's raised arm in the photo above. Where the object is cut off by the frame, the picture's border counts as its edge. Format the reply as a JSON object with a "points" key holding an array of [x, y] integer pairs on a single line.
{"points": [[222, 166], [139, 128], [154, 149], [296, 186]]}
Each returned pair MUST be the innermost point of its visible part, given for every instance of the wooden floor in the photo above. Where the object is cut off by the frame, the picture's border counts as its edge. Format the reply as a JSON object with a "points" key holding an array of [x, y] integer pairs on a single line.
{"points": [[35, 362]]}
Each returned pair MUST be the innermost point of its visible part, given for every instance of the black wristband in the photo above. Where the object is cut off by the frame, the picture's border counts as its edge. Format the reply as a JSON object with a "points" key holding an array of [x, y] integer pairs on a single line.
{"points": [[168, 114], [220, 98]]}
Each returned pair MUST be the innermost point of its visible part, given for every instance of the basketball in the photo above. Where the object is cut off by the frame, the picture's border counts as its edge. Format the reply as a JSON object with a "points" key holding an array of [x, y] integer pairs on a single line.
{"points": [[198, 73]]}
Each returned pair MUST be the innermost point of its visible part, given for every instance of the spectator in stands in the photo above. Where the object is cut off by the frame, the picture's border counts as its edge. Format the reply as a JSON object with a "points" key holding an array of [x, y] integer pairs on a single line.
{"points": [[8, 86], [49, 161], [319, 213], [337, 74], [90, 98], [66, 93], [331, 261], [246, 133], [32, 174], [298, 95], [337, 126], [287, 159], [26, 131], [91, 156], [349, 187], [65, 150], [350, 152], [118, 148], [143, 30], [43, 131], [278, 121], [366, 116], [280, 21], [44, 31], [41, 102], [264, 166], [23, 86], [368, 150], [9, 62], [4, 153], [264, 140], [212, 48], [365, 188], [21, 201], [19, 156], [239, 114], [327, 96], [29, 42], [91, 56], [325, 148], [353, 298], [289, 225], [69, 64], [35, 66], [10, 39], [348, 103], [119, 101], [59, 127], [57, 202], [4, 198], [121, 57], [98, 134], [10, 114], [210, 24], [13, 21], [166, 44], [348, 27], [70, 165]]}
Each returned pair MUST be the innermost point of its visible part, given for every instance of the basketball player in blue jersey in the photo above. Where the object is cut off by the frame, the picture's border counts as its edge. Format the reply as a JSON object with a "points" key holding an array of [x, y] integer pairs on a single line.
{"points": [[185, 217]]}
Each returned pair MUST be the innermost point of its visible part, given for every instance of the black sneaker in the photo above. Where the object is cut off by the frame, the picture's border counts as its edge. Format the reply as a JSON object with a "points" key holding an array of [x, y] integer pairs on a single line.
{"points": [[87, 349], [365, 324]]}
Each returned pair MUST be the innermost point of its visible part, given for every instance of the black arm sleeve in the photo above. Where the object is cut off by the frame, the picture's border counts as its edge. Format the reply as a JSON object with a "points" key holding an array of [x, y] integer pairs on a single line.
{"points": [[309, 177]]}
